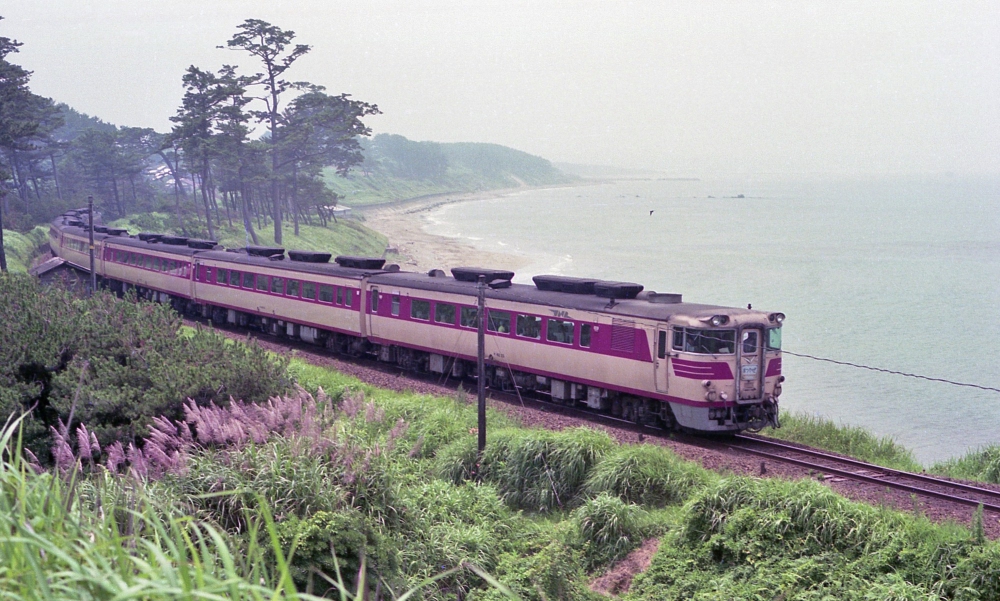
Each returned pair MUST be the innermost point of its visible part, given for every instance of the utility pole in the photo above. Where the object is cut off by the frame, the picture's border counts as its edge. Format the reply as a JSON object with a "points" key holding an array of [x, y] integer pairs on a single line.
{"points": [[3, 254], [481, 373], [93, 273]]}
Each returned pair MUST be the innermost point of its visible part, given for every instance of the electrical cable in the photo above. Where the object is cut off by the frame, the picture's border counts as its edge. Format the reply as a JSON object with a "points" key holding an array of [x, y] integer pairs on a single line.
{"points": [[891, 371]]}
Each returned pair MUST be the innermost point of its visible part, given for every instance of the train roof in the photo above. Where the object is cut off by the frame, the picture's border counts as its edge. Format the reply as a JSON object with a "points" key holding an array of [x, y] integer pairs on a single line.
{"points": [[331, 269], [640, 307], [173, 249]]}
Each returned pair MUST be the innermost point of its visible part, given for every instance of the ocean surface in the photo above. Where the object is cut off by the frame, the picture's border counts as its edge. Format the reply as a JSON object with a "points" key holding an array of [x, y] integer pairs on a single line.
{"points": [[900, 274]]}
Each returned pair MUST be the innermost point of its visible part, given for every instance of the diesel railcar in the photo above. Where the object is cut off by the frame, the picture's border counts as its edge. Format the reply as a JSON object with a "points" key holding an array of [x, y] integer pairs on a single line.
{"points": [[612, 346]]}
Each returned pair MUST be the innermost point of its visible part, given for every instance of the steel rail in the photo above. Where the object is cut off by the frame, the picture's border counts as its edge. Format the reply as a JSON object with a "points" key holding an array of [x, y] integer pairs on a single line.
{"points": [[874, 479], [870, 466]]}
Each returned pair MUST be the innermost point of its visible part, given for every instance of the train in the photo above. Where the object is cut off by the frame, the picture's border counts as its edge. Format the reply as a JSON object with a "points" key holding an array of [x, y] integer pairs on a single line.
{"points": [[638, 355]]}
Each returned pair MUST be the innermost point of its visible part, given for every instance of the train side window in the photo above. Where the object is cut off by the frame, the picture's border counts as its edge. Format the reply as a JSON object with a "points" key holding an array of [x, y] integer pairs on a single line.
{"points": [[262, 283], [529, 326], [468, 317], [498, 321], [557, 330], [374, 300], [340, 295], [234, 278], [678, 339], [325, 293], [309, 290], [247, 280], [395, 304], [444, 313], [774, 339], [292, 288], [420, 309], [585, 335], [277, 285], [221, 276], [348, 293], [661, 347]]}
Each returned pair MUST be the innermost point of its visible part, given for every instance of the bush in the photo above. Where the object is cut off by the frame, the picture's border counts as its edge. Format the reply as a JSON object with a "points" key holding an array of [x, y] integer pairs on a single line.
{"points": [[115, 364], [537, 470], [553, 572], [645, 474], [610, 528]]}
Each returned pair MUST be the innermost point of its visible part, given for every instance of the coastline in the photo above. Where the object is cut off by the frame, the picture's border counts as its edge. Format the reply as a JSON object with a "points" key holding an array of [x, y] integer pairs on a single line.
{"points": [[404, 223]]}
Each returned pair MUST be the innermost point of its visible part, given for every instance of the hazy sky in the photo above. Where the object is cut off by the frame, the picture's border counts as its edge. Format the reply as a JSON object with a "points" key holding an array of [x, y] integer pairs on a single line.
{"points": [[691, 88]]}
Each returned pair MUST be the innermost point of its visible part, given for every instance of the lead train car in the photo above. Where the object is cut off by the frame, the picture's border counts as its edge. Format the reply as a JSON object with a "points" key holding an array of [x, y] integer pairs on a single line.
{"points": [[648, 359], [641, 356]]}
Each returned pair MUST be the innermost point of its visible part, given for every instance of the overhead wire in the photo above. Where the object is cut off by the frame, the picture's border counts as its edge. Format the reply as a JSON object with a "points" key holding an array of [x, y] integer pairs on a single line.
{"points": [[891, 371]]}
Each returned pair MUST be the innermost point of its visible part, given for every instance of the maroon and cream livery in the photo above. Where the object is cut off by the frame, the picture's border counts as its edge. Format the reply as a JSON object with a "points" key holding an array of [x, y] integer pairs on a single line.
{"points": [[639, 355]]}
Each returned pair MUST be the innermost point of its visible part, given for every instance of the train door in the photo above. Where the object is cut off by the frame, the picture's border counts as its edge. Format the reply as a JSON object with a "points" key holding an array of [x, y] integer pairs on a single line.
{"points": [[750, 361], [661, 367], [373, 308]]}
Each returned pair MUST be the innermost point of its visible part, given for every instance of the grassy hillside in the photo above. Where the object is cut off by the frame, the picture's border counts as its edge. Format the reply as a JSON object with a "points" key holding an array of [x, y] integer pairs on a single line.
{"points": [[21, 248], [396, 168]]}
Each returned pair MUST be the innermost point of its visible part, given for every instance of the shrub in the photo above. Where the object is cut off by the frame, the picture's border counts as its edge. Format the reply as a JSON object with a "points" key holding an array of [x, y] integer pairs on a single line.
{"points": [[645, 474], [115, 364], [983, 464], [609, 528]]}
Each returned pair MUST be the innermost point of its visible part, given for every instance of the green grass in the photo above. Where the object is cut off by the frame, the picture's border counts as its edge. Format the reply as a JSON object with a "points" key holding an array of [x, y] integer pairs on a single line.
{"points": [[982, 464], [359, 190], [21, 248], [853, 441]]}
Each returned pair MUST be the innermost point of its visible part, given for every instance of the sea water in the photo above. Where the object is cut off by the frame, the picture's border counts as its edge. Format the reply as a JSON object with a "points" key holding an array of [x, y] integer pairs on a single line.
{"points": [[901, 274]]}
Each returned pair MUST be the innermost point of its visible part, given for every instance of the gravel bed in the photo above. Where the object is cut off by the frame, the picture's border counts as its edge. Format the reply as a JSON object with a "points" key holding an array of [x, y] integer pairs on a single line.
{"points": [[712, 454]]}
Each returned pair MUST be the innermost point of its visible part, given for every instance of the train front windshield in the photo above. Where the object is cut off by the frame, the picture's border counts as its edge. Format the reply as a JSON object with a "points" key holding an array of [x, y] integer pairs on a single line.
{"points": [[774, 339]]}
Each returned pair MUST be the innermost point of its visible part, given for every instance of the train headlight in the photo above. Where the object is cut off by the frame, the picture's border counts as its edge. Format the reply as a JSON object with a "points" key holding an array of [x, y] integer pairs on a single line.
{"points": [[720, 320], [776, 318], [710, 396], [777, 390]]}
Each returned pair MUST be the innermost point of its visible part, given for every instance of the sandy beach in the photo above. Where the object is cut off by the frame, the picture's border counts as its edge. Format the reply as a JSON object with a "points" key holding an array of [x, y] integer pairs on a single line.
{"points": [[404, 224]]}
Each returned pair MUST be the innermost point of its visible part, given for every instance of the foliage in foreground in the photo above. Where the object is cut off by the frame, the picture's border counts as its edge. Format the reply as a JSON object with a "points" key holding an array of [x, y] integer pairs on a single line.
{"points": [[853, 441], [982, 464], [114, 364], [752, 538]]}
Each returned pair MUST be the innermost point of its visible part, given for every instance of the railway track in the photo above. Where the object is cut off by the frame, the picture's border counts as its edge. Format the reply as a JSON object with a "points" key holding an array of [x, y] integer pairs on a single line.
{"points": [[846, 467], [814, 460]]}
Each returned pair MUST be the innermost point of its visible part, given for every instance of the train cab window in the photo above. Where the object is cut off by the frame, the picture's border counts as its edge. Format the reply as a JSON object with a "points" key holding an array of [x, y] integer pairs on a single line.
{"points": [[774, 339], [468, 317], [325, 293], [529, 326], [678, 339], [374, 300], [234, 278], [221, 276], [247, 280], [262, 283], [444, 313], [498, 321], [395, 304], [559, 331], [277, 285], [707, 342], [420, 309], [585, 335], [309, 290], [340, 295], [750, 342], [292, 288]]}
